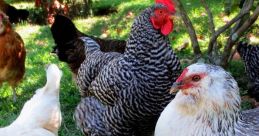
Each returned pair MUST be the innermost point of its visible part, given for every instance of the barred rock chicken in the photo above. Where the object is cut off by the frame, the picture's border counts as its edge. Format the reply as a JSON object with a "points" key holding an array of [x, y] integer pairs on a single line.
{"points": [[207, 105], [12, 54], [41, 115], [128, 93], [69, 47], [250, 56]]}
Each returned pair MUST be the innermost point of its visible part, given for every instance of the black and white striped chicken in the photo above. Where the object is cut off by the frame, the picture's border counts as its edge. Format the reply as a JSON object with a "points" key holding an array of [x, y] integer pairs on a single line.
{"points": [[250, 56], [125, 95]]}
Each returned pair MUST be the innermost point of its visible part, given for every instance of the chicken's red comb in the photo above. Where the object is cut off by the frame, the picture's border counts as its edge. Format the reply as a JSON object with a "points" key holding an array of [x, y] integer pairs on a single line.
{"points": [[168, 3]]}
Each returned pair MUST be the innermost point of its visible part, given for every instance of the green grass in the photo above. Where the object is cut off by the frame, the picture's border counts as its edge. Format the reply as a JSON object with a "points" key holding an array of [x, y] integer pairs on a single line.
{"points": [[39, 43]]}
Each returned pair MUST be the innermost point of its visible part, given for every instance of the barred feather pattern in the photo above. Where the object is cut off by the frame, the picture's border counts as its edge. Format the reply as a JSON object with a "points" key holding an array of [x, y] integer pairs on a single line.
{"points": [[129, 92], [250, 56], [94, 61], [248, 123]]}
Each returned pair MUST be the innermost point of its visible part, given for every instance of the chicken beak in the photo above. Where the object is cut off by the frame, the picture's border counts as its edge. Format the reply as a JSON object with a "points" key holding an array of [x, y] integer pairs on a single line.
{"points": [[175, 87]]}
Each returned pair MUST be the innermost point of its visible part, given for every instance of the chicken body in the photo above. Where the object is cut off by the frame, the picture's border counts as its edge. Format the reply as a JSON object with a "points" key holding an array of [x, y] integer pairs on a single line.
{"points": [[129, 92], [69, 47], [12, 55], [207, 104], [41, 115], [250, 56]]}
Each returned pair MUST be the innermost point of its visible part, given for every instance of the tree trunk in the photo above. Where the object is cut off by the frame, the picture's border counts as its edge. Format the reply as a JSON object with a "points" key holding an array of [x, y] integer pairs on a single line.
{"points": [[190, 29]]}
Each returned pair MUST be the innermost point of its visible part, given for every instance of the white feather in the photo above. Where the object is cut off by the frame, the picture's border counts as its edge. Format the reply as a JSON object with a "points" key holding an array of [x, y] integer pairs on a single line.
{"points": [[208, 109], [41, 115]]}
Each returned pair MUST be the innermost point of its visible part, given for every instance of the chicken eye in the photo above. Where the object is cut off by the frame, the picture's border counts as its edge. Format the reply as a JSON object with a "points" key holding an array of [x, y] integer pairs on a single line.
{"points": [[161, 11], [196, 78]]}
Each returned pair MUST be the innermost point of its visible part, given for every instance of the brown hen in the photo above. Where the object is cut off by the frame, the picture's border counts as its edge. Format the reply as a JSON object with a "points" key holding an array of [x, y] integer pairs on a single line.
{"points": [[12, 54]]}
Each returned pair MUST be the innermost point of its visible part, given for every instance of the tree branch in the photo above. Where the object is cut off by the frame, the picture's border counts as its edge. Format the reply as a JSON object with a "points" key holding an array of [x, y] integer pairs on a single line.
{"points": [[210, 16], [223, 29], [190, 29], [211, 26], [244, 11], [236, 35], [247, 5], [246, 25]]}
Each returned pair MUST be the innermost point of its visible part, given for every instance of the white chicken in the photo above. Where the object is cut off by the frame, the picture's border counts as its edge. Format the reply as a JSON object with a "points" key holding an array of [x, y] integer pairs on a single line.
{"points": [[206, 105], [41, 115]]}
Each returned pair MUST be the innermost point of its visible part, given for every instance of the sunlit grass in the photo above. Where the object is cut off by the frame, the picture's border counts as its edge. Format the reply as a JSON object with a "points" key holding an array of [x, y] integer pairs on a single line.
{"points": [[23, 5]]}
